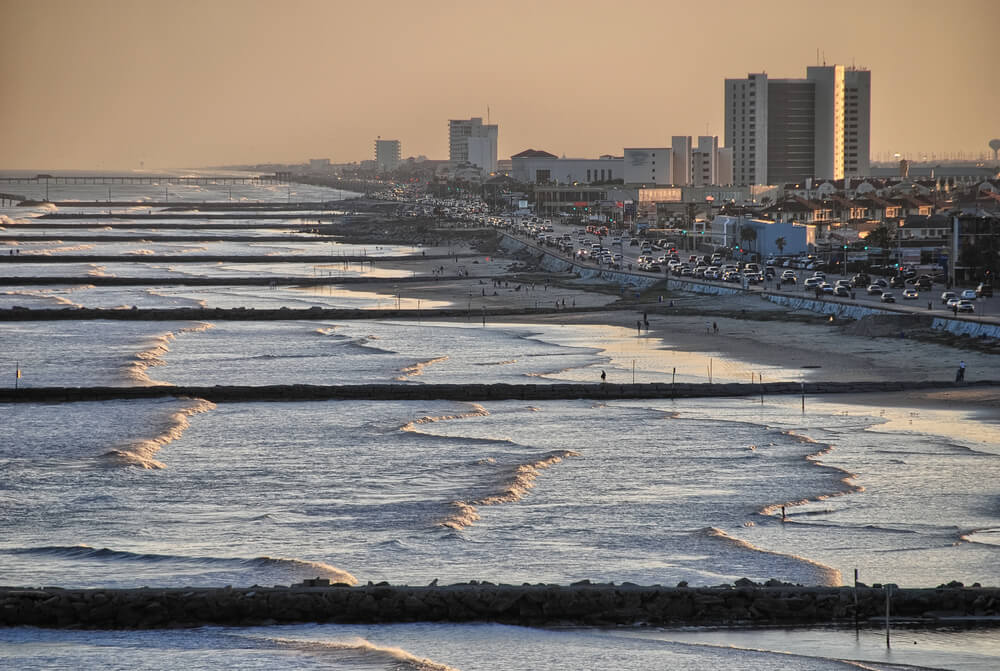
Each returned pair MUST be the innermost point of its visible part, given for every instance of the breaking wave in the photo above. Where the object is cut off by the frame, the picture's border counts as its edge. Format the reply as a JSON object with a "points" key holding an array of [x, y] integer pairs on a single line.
{"points": [[418, 368], [827, 575], [151, 356], [358, 651], [512, 484], [814, 459], [477, 411], [296, 567], [141, 452]]}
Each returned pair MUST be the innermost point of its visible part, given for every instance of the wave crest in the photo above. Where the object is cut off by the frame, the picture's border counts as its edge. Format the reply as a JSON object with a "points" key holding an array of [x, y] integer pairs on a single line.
{"points": [[141, 452], [513, 484]]}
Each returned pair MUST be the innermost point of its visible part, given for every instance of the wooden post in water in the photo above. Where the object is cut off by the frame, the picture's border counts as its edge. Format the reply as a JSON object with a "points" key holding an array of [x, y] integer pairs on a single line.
{"points": [[888, 591]]}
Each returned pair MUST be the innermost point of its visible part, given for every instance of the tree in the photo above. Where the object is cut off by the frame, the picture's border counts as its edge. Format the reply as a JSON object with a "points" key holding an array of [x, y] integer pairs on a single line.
{"points": [[780, 244], [748, 234], [880, 237], [765, 201]]}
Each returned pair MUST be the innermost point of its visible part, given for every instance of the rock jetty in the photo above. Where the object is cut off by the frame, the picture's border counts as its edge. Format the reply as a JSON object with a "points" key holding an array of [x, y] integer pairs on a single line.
{"points": [[581, 603]]}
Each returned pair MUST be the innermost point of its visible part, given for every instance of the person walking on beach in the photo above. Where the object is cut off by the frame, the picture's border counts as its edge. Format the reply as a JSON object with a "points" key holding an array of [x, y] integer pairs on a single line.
{"points": [[960, 373], [604, 377], [715, 327]]}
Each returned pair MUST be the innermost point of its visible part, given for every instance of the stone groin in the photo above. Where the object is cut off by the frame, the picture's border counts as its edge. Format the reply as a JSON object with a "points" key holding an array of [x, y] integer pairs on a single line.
{"points": [[581, 603], [465, 392], [17, 314]]}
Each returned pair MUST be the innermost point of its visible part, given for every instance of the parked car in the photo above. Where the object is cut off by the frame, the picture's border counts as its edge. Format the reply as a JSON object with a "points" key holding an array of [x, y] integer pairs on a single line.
{"points": [[887, 297], [966, 306], [984, 290], [911, 294], [968, 295], [947, 296]]}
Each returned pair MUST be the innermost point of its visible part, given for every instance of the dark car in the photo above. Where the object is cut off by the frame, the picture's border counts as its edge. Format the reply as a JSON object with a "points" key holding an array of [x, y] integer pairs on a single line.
{"points": [[897, 282], [861, 280], [888, 298], [925, 283], [984, 290]]}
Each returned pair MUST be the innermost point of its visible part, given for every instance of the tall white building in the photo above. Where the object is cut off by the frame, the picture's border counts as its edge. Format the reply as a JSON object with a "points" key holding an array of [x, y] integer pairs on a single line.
{"points": [[828, 139], [648, 165], [724, 172], [472, 141], [705, 161], [788, 130], [387, 154], [746, 127], [857, 122]]}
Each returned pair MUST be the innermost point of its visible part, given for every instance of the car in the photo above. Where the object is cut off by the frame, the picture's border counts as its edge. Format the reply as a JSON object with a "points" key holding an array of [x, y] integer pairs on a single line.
{"points": [[968, 295], [842, 283], [897, 282], [653, 268], [925, 283], [947, 296], [842, 291], [820, 274], [887, 297], [911, 294], [875, 289], [965, 306], [952, 302], [861, 280], [984, 290], [812, 283], [826, 288]]}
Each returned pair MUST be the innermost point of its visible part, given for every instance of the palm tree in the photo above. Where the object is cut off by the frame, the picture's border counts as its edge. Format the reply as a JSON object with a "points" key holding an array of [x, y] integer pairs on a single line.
{"points": [[780, 244]]}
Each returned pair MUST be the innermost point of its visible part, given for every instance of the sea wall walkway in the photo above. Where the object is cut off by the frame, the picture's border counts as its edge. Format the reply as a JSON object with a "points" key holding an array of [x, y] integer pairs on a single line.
{"points": [[578, 604], [469, 392]]}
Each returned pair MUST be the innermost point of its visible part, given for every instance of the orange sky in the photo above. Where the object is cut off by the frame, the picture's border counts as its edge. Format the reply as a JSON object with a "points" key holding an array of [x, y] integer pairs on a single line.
{"points": [[94, 84]]}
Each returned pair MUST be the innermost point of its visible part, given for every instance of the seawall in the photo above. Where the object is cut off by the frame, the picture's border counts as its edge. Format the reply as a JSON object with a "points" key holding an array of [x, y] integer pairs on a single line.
{"points": [[466, 392], [840, 309], [578, 604]]}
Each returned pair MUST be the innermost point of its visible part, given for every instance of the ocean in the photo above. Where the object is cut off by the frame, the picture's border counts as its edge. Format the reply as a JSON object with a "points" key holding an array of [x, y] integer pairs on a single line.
{"points": [[178, 492]]}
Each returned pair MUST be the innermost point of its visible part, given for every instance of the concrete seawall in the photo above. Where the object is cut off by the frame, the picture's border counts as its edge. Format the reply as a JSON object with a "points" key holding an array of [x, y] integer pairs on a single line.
{"points": [[464, 392], [578, 604]]}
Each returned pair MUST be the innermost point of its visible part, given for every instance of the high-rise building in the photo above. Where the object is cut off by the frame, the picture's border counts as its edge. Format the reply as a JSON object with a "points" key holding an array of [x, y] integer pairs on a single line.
{"points": [[857, 122], [705, 161], [472, 141], [746, 128], [681, 158], [387, 153], [788, 130]]}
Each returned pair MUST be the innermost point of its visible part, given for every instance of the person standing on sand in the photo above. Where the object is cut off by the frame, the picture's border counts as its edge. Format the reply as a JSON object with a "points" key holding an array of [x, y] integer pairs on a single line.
{"points": [[604, 377], [960, 373]]}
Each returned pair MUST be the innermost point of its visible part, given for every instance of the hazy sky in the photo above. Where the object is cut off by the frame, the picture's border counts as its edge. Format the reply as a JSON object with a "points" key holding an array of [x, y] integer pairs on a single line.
{"points": [[176, 83]]}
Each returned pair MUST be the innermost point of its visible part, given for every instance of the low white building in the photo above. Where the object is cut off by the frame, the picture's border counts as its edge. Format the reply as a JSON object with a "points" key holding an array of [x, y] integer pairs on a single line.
{"points": [[648, 166], [540, 167]]}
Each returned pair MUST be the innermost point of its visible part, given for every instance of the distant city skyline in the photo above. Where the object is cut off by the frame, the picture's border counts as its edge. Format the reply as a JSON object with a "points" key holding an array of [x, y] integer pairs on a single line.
{"points": [[105, 84]]}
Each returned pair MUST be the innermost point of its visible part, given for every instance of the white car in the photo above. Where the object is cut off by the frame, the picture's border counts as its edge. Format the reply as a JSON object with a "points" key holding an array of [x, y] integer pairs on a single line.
{"points": [[968, 295]]}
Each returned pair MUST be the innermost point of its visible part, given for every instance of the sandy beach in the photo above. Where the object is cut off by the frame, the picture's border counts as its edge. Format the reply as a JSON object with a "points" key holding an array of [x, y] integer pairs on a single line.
{"points": [[752, 334]]}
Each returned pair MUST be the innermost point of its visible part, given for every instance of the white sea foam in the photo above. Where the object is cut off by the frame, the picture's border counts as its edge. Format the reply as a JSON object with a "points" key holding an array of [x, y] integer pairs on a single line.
{"points": [[141, 452]]}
